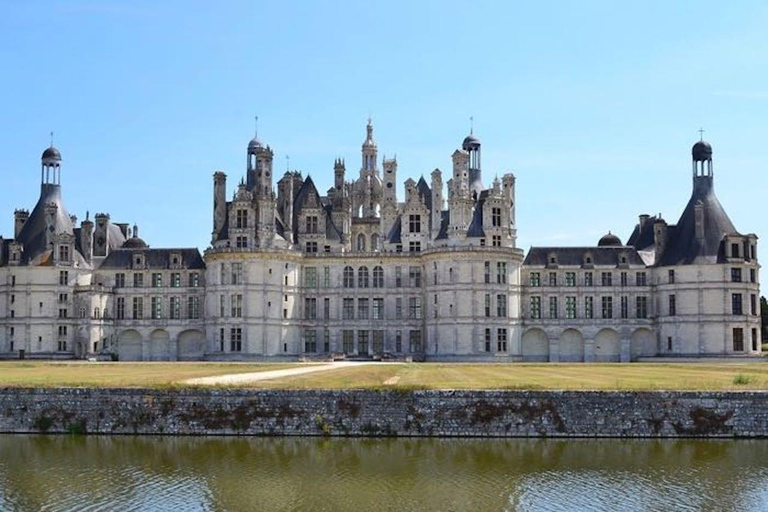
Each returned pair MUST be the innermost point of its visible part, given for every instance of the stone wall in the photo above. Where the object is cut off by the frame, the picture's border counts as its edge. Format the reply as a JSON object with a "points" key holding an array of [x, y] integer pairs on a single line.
{"points": [[385, 413]]}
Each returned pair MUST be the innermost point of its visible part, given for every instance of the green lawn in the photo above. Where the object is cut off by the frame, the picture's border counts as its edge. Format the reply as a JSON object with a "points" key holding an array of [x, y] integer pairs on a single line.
{"points": [[635, 376], [89, 374]]}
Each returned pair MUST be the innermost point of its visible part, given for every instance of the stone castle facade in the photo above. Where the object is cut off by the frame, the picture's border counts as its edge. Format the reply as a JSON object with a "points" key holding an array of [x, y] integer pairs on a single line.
{"points": [[437, 275]]}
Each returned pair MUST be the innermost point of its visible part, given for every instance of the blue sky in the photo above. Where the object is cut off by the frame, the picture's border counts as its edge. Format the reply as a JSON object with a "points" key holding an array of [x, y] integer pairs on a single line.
{"points": [[593, 105]]}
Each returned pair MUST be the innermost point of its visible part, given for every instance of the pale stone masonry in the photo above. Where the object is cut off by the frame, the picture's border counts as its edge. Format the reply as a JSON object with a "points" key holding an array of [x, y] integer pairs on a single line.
{"points": [[292, 273]]}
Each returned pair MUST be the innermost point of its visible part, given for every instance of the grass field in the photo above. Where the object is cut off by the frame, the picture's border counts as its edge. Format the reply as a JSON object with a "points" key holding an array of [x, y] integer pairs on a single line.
{"points": [[635, 376], [50, 374]]}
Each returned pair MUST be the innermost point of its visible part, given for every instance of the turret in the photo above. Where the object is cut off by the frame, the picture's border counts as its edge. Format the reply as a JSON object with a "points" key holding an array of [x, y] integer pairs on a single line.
{"points": [[659, 237], [339, 169], [101, 234], [471, 145], [437, 201], [219, 204], [50, 173], [369, 150], [20, 218]]}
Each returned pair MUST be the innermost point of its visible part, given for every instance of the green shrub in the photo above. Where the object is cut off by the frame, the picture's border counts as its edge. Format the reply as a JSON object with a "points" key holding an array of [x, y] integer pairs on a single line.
{"points": [[742, 379]]}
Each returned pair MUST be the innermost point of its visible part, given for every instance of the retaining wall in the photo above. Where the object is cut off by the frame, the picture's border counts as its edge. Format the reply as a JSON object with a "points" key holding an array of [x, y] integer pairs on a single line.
{"points": [[385, 413]]}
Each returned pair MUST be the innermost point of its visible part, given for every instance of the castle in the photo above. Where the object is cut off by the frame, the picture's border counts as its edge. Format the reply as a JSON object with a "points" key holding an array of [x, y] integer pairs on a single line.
{"points": [[438, 276]]}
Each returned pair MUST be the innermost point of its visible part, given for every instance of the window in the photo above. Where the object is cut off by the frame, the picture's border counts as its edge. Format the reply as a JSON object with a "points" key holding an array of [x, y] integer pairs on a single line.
{"points": [[501, 272], [734, 250], [588, 281], [62, 331], [623, 278], [487, 304], [641, 307], [736, 304], [671, 276], [378, 277], [495, 242], [398, 277], [362, 277], [553, 279], [607, 309], [311, 247], [63, 297], [570, 307], [589, 307], [63, 278], [236, 339], [138, 308], [414, 223], [156, 307], [752, 275], [606, 279], [121, 308], [414, 246], [236, 306], [487, 339], [501, 305], [175, 308], [62, 345], [348, 309], [414, 341], [672, 305], [414, 307], [487, 271], [221, 339], [362, 309], [624, 307], [374, 242], [640, 279], [194, 280], [175, 280], [535, 279], [553, 307], [326, 341], [362, 342], [326, 308], [361, 242], [241, 242], [310, 340], [378, 342], [735, 275], [398, 308], [349, 277], [754, 339], [222, 305], [753, 304], [501, 340], [414, 277], [63, 253], [241, 219], [311, 225], [738, 339], [378, 309], [310, 277], [570, 279], [193, 308], [326, 277], [120, 280], [63, 313], [536, 308], [496, 217], [348, 341], [157, 280]]}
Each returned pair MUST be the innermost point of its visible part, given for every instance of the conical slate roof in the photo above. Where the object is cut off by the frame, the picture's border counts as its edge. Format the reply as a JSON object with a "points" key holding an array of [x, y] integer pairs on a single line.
{"points": [[32, 234]]}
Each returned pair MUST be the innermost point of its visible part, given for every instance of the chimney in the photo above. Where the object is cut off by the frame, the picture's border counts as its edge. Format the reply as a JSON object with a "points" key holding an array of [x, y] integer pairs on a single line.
{"points": [[659, 237], [19, 219], [643, 219]]}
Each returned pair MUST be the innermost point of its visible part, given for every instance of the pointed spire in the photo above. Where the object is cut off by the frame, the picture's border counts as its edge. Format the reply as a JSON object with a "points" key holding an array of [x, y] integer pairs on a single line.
{"points": [[701, 133], [256, 127], [471, 125]]}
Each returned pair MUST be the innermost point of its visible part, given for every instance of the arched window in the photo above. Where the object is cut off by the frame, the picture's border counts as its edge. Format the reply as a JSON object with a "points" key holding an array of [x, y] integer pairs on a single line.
{"points": [[361, 242], [362, 277], [375, 242], [349, 277], [378, 277]]}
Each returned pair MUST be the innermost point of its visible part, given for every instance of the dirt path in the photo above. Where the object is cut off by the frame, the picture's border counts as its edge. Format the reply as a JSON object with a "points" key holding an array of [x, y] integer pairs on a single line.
{"points": [[245, 378]]}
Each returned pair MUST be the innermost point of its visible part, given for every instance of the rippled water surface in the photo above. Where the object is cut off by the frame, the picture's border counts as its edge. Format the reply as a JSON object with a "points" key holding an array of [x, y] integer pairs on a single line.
{"points": [[58, 473]]}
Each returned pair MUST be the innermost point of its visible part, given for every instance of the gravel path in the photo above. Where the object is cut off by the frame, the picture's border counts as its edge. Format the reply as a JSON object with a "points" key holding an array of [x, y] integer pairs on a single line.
{"points": [[245, 378]]}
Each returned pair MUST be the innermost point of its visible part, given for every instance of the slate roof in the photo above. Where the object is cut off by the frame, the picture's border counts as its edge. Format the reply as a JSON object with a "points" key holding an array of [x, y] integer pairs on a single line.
{"points": [[154, 258], [445, 217], [307, 191], [576, 256], [643, 238], [425, 192], [32, 234], [394, 235], [476, 226]]}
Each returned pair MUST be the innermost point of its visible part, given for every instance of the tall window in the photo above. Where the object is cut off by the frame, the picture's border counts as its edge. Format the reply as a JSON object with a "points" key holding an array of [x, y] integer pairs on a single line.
{"points": [[311, 247], [501, 272], [157, 308], [414, 341], [310, 340], [640, 279], [194, 280], [361, 242], [241, 219], [496, 241], [487, 304], [193, 307], [414, 277], [311, 224], [157, 280], [310, 277], [362, 277], [414, 308], [326, 308], [120, 280], [398, 308], [501, 305], [641, 307], [138, 308], [362, 342], [63, 277], [398, 277], [501, 340], [623, 278], [236, 307], [378, 309], [121, 308], [570, 307], [348, 309], [738, 339], [496, 217], [735, 275], [236, 339], [326, 277], [736, 304], [672, 306], [487, 339], [349, 277], [535, 278], [589, 307], [175, 280], [553, 279], [536, 308], [607, 309], [63, 252], [414, 223], [348, 341], [588, 280], [414, 246], [175, 308], [671, 276], [378, 277], [237, 273], [570, 279], [378, 342], [606, 279], [624, 307], [553, 307], [363, 309], [753, 304], [487, 271]]}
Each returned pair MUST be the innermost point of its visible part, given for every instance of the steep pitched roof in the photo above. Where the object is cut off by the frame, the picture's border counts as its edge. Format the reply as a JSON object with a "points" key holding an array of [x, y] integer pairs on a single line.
{"points": [[394, 235], [601, 256], [33, 233], [308, 194], [154, 258], [425, 192]]}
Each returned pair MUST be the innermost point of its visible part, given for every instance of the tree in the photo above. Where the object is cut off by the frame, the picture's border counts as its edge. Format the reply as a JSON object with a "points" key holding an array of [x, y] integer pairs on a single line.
{"points": [[764, 319]]}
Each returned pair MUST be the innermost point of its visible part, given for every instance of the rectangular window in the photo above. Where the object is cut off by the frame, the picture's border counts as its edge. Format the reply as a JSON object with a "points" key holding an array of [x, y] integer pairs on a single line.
{"points": [[241, 242], [157, 308], [348, 309], [157, 280], [241, 219], [362, 342], [640, 279], [326, 341], [414, 223], [348, 341], [193, 308], [495, 242], [120, 280], [326, 277], [487, 305], [398, 341], [624, 307], [378, 277], [414, 277], [589, 307], [671, 276], [398, 308], [378, 309], [62, 331], [414, 341], [222, 305], [63, 297], [570, 307], [237, 273], [175, 280], [672, 306], [738, 339], [175, 307], [588, 281], [734, 250], [63, 278], [221, 339], [63, 253], [194, 280], [752, 275], [753, 304], [736, 306], [121, 308], [553, 307], [536, 308], [623, 278], [310, 341], [735, 275], [310, 277], [501, 272], [553, 279], [62, 345], [414, 307], [501, 305], [606, 279], [63, 313], [496, 217], [570, 279], [363, 309], [414, 246], [501, 340], [311, 247], [487, 339], [487, 271], [348, 276], [311, 224], [377, 337], [310, 308], [236, 339], [138, 308], [535, 278], [607, 310], [641, 307], [326, 308], [398, 277]]}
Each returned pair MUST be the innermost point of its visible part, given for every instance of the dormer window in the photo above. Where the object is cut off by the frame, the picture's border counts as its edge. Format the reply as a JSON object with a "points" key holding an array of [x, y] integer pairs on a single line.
{"points": [[414, 223], [138, 261], [241, 219], [175, 260], [734, 250], [64, 252]]}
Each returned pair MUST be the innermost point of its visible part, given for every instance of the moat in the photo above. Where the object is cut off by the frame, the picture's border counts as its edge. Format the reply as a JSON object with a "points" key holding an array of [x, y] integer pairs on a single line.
{"points": [[118, 473]]}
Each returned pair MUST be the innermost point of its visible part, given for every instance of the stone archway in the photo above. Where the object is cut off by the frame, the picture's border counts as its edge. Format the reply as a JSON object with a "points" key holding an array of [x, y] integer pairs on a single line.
{"points": [[642, 344], [535, 345], [158, 345], [571, 346], [607, 345], [191, 345], [129, 346]]}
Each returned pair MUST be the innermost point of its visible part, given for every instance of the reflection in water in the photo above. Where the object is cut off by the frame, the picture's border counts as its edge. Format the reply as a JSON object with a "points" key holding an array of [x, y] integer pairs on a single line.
{"points": [[50, 473]]}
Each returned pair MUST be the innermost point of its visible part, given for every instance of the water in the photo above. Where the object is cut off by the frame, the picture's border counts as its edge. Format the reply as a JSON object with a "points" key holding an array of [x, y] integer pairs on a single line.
{"points": [[62, 473]]}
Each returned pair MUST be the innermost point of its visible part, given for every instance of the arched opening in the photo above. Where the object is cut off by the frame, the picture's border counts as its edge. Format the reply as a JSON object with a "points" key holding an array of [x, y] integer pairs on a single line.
{"points": [[191, 345], [362, 277], [642, 344], [158, 345], [571, 346], [375, 242], [535, 345], [607, 345], [349, 277], [129, 346]]}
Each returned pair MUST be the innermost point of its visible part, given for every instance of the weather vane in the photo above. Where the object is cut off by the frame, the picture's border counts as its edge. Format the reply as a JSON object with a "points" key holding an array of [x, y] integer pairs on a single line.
{"points": [[471, 125], [701, 133]]}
